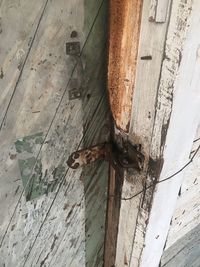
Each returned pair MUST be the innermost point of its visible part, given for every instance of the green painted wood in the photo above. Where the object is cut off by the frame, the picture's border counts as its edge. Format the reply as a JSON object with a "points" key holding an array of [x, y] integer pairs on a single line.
{"points": [[96, 130], [50, 230]]}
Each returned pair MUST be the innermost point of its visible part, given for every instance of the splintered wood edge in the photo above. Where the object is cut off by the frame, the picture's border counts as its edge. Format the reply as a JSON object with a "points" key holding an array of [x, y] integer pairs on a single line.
{"points": [[124, 33]]}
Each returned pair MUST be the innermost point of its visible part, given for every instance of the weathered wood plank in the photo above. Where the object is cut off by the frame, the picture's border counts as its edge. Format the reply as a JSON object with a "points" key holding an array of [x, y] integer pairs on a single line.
{"points": [[34, 223], [185, 251], [161, 10], [16, 44], [124, 32], [22, 119], [113, 212], [158, 10], [186, 214], [179, 129], [149, 128], [39, 92], [151, 44]]}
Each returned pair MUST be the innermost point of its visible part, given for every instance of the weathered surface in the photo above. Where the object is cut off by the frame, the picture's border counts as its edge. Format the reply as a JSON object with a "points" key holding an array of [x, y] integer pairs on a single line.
{"points": [[15, 45], [171, 137], [50, 230], [185, 252], [143, 114], [186, 215], [125, 18], [164, 102], [113, 212]]}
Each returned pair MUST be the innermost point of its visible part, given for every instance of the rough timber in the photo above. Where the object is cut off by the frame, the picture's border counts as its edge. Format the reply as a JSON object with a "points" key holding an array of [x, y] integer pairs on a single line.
{"points": [[40, 127]]}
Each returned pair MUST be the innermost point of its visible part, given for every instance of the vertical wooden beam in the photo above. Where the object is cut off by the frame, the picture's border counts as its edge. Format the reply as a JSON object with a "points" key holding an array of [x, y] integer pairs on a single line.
{"points": [[164, 121], [183, 123], [113, 208], [124, 32], [125, 17]]}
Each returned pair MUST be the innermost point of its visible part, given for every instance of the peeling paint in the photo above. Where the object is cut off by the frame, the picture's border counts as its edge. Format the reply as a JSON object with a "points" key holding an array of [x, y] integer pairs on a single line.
{"points": [[36, 181]]}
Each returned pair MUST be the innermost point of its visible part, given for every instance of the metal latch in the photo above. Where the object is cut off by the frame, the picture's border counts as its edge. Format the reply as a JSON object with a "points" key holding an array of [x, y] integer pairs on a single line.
{"points": [[127, 157]]}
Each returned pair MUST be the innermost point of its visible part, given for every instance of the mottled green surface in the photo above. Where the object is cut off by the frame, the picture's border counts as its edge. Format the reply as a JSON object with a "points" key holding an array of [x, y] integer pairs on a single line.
{"points": [[50, 231], [95, 176], [35, 182]]}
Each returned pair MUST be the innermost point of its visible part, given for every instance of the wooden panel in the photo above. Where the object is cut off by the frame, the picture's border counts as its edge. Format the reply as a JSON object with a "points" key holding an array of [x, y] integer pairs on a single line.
{"points": [[161, 10], [124, 34], [158, 10], [186, 214], [113, 212], [143, 114], [50, 230], [185, 252], [16, 44], [96, 121], [174, 130], [39, 91], [158, 86]]}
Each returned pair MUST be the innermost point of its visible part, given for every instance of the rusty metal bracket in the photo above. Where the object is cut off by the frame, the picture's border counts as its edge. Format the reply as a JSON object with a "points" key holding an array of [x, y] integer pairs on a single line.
{"points": [[128, 157], [73, 48]]}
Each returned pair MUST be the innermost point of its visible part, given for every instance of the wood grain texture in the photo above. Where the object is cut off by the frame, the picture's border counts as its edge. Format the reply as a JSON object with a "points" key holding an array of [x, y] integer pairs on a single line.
{"points": [[125, 18], [112, 222], [161, 10], [51, 230], [15, 44], [173, 120], [186, 215], [143, 114], [158, 10], [185, 251], [40, 88], [152, 108]]}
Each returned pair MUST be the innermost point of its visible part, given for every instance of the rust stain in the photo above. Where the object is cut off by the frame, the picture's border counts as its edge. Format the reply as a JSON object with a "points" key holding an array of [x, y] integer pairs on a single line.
{"points": [[85, 156], [125, 21]]}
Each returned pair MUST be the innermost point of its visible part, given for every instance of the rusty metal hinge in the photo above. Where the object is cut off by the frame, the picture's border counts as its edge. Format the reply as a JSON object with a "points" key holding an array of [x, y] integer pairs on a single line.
{"points": [[129, 156]]}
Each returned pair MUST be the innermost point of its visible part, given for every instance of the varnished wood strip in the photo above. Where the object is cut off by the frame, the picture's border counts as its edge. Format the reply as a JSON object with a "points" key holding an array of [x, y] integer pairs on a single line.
{"points": [[113, 211], [125, 18]]}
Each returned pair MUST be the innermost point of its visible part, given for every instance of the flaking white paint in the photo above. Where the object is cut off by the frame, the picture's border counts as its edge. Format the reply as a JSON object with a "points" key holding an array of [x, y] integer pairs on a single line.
{"points": [[182, 129]]}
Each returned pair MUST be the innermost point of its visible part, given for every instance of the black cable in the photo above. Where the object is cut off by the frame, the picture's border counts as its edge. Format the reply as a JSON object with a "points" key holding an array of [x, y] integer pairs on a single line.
{"points": [[166, 179]]}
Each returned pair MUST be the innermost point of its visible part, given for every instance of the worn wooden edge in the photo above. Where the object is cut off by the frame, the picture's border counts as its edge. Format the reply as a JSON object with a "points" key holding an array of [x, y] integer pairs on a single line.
{"points": [[112, 221], [124, 32], [171, 139]]}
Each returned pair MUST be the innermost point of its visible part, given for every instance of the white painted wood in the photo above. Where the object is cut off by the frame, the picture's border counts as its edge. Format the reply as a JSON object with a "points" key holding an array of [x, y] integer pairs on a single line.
{"points": [[180, 135], [157, 89], [152, 10], [161, 10], [186, 215], [152, 39]]}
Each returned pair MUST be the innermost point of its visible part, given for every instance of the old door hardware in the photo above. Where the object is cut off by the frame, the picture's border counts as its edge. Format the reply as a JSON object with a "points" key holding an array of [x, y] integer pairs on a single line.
{"points": [[74, 93], [73, 49], [74, 89], [127, 157]]}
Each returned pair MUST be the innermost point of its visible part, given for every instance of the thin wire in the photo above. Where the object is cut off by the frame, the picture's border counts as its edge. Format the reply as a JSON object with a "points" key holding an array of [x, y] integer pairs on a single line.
{"points": [[166, 179]]}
